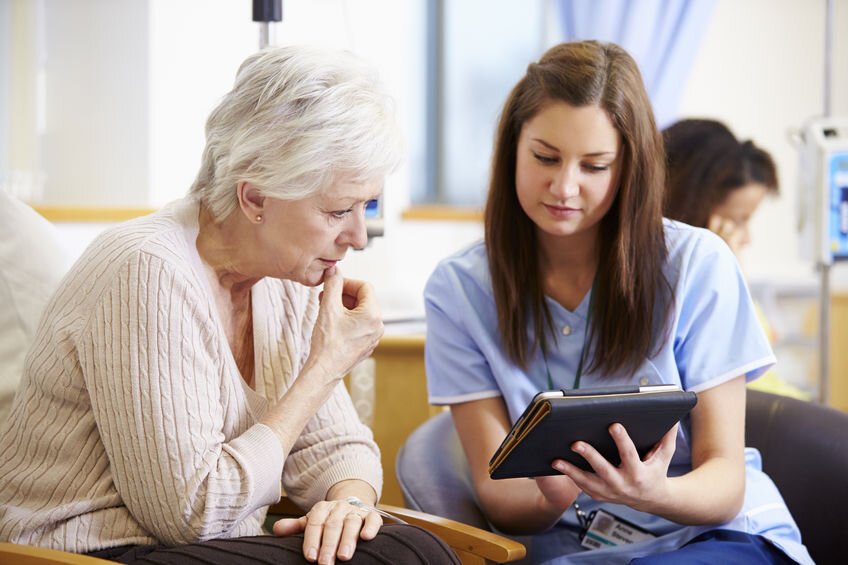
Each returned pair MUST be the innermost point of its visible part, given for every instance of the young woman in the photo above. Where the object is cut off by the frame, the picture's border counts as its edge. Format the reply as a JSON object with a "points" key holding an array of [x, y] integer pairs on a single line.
{"points": [[580, 282]]}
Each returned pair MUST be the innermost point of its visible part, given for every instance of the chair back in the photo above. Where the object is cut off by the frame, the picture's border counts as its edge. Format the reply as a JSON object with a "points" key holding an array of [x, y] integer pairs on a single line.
{"points": [[433, 473], [805, 452]]}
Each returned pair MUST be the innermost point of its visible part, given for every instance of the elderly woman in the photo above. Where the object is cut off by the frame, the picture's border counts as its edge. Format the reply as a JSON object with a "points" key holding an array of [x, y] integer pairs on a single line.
{"points": [[189, 365]]}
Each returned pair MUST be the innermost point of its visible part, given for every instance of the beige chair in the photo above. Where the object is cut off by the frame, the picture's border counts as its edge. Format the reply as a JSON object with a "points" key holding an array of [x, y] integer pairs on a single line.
{"points": [[473, 545]]}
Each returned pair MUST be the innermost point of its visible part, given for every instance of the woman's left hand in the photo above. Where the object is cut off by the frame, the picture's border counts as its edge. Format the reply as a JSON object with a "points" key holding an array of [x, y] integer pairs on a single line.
{"points": [[640, 484], [331, 529], [734, 235]]}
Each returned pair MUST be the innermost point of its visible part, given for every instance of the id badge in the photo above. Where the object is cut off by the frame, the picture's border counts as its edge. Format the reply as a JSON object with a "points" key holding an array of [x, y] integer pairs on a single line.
{"points": [[605, 529]]}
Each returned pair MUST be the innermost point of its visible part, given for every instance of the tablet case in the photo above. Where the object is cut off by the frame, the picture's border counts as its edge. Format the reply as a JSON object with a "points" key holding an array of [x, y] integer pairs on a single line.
{"points": [[553, 421]]}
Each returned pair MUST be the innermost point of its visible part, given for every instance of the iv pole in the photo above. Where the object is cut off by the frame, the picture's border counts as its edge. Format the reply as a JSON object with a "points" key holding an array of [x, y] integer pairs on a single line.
{"points": [[265, 12], [824, 266]]}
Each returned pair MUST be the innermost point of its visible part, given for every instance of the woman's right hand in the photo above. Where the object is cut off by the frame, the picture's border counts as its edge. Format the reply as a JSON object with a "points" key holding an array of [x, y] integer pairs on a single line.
{"points": [[348, 327]]}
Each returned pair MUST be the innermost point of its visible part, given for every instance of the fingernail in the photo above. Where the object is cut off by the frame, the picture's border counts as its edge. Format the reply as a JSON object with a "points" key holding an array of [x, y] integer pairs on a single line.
{"points": [[559, 467], [345, 551], [579, 448], [311, 554]]}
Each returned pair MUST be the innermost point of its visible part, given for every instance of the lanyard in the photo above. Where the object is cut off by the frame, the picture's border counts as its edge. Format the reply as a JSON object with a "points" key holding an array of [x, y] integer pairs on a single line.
{"points": [[579, 364], [579, 372]]}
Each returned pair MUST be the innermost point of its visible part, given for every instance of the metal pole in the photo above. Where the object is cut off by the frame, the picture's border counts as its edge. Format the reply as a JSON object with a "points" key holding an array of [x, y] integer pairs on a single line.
{"points": [[824, 268], [824, 335], [266, 13], [828, 55], [264, 34]]}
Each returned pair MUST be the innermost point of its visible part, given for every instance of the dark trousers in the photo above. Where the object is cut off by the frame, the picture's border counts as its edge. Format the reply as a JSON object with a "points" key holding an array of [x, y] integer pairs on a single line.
{"points": [[727, 547], [396, 543]]}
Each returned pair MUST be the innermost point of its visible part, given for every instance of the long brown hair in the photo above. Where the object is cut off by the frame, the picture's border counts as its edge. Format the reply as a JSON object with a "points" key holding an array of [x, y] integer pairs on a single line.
{"points": [[631, 297], [705, 163]]}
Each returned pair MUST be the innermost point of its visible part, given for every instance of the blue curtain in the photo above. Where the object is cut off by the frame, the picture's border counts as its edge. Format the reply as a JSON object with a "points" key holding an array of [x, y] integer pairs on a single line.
{"points": [[662, 35]]}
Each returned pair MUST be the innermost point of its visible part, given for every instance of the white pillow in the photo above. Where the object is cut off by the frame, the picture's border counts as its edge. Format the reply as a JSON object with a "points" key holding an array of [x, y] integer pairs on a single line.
{"points": [[32, 262]]}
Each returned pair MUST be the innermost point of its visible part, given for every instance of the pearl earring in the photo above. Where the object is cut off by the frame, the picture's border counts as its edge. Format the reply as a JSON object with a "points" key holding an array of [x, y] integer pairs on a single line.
{"points": [[259, 218]]}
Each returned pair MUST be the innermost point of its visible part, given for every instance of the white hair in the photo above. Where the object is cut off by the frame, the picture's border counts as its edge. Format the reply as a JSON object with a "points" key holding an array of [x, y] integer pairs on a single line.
{"points": [[297, 118]]}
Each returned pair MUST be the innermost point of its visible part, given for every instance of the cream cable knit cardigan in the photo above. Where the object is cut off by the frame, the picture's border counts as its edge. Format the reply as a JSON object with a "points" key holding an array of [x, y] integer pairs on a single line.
{"points": [[132, 424]]}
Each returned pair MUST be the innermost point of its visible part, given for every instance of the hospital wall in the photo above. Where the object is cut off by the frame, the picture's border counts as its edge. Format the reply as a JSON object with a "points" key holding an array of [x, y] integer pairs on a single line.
{"points": [[118, 94]]}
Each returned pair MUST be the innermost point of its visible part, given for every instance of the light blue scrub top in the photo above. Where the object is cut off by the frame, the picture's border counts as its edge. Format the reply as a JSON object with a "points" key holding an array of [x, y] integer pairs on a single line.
{"points": [[714, 337]]}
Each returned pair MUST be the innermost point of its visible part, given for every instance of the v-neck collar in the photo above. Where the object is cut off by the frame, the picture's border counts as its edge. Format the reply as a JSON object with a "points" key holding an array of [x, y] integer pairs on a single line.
{"points": [[581, 312], [186, 214]]}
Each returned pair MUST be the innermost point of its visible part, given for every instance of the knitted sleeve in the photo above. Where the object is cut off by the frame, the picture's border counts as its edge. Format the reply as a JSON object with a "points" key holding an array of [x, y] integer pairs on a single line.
{"points": [[334, 445]]}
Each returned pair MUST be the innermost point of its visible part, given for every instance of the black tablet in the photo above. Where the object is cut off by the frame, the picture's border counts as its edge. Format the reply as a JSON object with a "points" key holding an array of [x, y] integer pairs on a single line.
{"points": [[554, 420]]}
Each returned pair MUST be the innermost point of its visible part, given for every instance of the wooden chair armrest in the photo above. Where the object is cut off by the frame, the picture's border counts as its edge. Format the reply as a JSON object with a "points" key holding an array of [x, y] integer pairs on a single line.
{"points": [[29, 555], [462, 537]]}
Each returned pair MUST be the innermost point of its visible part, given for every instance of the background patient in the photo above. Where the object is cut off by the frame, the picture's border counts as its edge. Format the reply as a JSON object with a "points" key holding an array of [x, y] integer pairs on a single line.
{"points": [[717, 182]]}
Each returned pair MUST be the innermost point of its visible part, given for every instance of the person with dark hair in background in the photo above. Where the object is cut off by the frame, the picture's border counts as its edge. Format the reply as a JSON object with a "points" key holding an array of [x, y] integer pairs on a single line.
{"points": [[716, 181], [580, 282]]}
